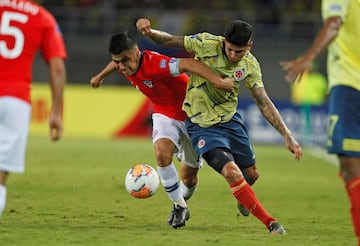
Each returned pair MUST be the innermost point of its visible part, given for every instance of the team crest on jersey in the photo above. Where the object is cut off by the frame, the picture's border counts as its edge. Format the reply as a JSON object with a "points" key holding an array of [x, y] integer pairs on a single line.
{"points": [[148, 83], [201, 143], [239, 74]]}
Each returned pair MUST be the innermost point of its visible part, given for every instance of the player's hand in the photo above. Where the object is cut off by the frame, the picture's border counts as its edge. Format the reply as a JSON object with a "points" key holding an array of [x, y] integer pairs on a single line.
{"points": [[293, 146], [56, 127], [96, 82], [143, 26], [226, 84], [295, 68]]}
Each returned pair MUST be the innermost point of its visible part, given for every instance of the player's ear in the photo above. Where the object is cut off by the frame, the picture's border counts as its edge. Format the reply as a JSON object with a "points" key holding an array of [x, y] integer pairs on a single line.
{"points": [[250, 44]]}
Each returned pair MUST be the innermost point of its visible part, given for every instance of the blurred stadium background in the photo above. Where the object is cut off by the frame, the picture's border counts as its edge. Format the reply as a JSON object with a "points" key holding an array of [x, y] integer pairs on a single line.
{"points": [[283, 29]]}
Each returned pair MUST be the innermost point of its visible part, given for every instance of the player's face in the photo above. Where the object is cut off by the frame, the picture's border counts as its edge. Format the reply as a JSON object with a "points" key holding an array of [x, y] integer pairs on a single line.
{"points": [[235, 53], [127, 62]]}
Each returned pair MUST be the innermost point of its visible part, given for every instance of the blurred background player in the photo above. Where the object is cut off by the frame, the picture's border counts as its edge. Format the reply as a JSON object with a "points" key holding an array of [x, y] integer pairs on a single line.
{"points": [[216, 129], [310, 91], [150, 72], [26, 28], [340, 36]]}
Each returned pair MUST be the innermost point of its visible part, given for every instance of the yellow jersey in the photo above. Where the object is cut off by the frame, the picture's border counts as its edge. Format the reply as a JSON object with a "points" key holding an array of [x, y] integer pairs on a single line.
{"points": [[204, 104], [343, 62]]}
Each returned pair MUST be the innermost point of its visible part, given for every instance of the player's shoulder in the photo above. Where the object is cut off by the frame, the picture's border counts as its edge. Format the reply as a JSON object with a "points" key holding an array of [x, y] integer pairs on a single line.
{"points": [[206, 37], [47, 16], [153, 54], [250, 58], [154, 63]]}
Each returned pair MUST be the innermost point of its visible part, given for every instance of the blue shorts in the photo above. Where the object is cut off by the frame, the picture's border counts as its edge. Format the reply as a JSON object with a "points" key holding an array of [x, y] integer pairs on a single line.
{"points": [[344, 121], [231, 135]]}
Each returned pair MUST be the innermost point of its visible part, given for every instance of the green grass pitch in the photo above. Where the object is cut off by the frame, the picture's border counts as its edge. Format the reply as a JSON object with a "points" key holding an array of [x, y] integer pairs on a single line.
{"points": [[73, 193]]}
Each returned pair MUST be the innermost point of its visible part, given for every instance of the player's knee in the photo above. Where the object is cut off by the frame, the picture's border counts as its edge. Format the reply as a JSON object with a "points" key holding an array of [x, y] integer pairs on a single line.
{"points": [[217, 158], [189, 175], [190, 181], [163, 159], [231, 172], [251, 174]]}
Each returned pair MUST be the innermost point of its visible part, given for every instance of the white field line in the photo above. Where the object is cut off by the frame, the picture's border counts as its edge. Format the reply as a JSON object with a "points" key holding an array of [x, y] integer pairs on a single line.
{"points": [[321, 153]]}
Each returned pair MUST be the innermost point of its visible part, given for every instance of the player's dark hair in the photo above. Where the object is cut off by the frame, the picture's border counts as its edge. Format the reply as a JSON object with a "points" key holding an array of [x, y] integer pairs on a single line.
{"points": [[238, 32], [120, 42]]}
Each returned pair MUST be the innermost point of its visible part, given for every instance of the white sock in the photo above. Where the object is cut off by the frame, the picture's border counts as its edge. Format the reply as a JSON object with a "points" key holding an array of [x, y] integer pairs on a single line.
{"points": [[169, 180], [186, 191], [2, 198]]}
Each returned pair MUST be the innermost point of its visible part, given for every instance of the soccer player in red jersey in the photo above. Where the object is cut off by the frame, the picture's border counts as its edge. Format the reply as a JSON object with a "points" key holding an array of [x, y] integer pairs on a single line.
{"points": [[26, 28], [162, 80]]}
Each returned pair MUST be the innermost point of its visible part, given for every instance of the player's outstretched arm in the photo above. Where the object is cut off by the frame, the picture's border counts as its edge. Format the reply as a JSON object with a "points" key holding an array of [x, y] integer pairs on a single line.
{"points": [[57, 84], [143, 25], [201, 69], [97, 80], [295, 68], [272, 115]]}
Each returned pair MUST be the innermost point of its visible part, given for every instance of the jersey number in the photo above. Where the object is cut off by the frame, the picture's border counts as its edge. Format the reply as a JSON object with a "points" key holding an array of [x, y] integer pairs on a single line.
{"points": [[6, 29]]}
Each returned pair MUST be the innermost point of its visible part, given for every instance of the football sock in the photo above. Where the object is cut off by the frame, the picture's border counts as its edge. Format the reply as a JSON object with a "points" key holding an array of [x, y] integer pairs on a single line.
{"points": [[169, 179], [246, 196], [186, 191], [2, 198], [353, 189]]}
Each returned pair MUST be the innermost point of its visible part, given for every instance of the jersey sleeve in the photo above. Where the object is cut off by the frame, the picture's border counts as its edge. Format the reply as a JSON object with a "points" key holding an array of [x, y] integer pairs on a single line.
{"points": [[332, 8], [202, 44], [254, 79], [53, 43], [160, 66]]}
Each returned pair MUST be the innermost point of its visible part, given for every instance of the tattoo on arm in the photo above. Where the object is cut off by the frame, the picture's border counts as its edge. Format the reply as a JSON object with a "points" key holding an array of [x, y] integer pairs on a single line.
{"points": [[166, 39], [269, 111]]}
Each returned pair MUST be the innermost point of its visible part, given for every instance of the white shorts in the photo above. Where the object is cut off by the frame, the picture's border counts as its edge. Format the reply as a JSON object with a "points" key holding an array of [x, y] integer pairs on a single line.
{"points": [[14, 125], [175, 130]]}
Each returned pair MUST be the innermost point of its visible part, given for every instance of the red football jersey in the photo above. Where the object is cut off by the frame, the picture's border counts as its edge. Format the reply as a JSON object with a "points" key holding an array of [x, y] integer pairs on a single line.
{"points": [[25, 28], [155, 81]]}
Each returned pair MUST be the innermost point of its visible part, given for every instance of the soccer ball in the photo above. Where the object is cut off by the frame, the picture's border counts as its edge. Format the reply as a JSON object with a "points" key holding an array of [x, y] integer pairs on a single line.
{"points": [[142, 181]]}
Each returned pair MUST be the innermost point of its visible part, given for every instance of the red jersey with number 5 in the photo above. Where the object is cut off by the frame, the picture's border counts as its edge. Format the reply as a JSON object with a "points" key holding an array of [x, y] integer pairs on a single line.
{"points": [[25, 28], [155, 81]]}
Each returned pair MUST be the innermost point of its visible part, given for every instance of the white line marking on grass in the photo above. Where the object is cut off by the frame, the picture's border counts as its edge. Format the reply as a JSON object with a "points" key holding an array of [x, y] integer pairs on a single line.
{"points": [[321, 153]]}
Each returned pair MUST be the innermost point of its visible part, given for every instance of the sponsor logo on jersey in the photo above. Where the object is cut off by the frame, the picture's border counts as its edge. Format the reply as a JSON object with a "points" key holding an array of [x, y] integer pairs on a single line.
{"points": [[239, 74], [201, 143], [163, 63], [335, 7], [148, 83], [195, 36]]}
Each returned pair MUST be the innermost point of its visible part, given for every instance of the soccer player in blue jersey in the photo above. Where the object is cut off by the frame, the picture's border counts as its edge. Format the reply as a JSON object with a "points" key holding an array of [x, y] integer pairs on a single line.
{"points": [[340, 36], [215, 127]]}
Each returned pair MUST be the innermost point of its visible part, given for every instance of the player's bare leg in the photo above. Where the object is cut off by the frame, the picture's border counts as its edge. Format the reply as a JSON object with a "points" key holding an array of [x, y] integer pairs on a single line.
{"points": [[350, 170], [3, 177], [164, 150], [189, 180]]}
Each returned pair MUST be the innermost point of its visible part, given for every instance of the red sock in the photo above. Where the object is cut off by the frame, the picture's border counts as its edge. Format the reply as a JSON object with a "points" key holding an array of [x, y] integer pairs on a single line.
{"points": [[353, 189], [246, 196]]}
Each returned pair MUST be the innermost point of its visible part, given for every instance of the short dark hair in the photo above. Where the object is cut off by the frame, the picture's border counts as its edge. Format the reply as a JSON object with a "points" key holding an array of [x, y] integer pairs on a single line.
{"points": [[120, 42], [238, 32]]}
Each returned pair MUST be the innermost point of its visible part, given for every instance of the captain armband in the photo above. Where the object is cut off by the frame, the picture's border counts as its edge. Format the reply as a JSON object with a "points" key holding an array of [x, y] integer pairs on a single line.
{"points": [[174, 66]]}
